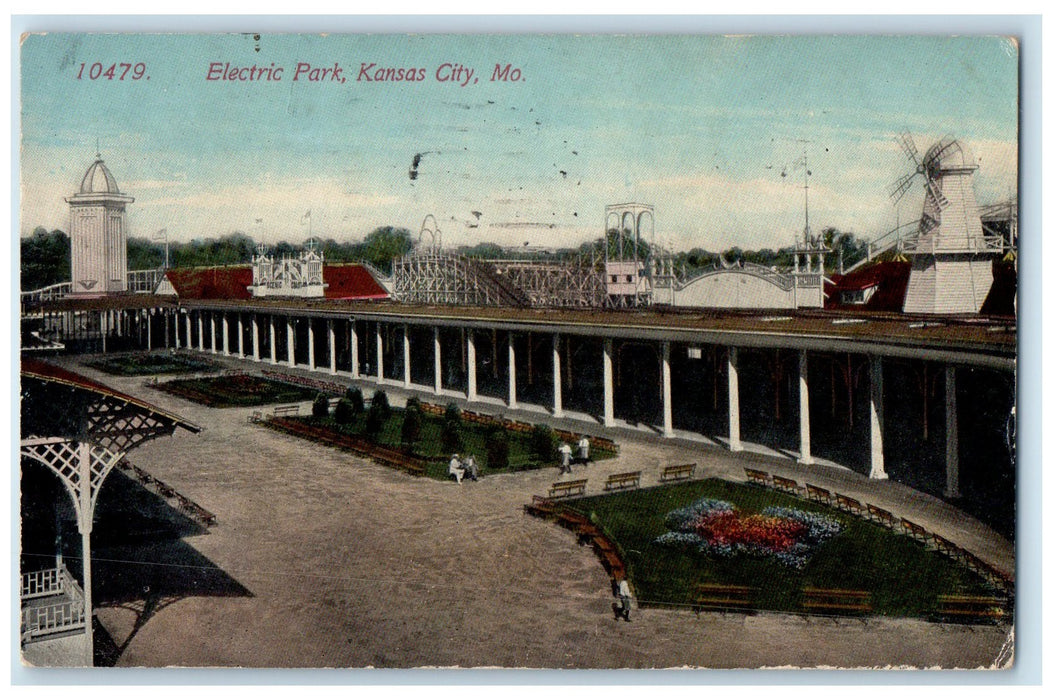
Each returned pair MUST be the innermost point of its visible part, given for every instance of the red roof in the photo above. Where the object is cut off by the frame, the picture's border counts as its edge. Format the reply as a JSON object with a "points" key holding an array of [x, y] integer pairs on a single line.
{"points": [[344, 281], [212, 282], [890, 277]]}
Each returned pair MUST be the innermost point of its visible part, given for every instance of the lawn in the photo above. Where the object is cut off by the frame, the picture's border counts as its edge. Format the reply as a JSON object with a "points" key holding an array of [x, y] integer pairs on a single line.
{"points": [[430, 445], [236, 390], [139, 364], [903, 576]]}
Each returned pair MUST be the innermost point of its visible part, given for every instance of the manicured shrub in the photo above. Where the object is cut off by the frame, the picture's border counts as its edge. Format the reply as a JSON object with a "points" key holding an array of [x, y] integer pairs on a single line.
{"points": [[452, 434], [358, 403], [542, 443], [413, 402], [320, 407], [380, 403], [343, 413], [497, 446], [452, 413], [411, 427], [375, 419]]}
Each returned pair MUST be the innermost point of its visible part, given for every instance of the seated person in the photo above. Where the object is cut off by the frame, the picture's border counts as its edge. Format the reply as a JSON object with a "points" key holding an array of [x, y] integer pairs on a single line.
{"points": [[456, 470], [471, 468]]}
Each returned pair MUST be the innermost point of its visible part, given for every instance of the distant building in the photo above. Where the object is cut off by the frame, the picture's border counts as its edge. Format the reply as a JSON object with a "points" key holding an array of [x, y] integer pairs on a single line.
{"points": [[98, 233]]}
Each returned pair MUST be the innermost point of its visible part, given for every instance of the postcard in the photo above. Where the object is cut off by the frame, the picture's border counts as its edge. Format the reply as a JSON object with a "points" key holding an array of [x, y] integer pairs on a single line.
{"points": [[545, 351]]}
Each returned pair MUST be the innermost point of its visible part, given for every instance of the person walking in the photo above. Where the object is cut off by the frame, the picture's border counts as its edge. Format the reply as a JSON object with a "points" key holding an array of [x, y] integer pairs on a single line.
{"points": [[624, 604], [564, 451], [583, 449]]}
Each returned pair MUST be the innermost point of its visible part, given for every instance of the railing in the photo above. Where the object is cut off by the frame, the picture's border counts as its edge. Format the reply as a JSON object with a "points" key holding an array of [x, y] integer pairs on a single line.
{"points": [[62, 616], [54, 291]]}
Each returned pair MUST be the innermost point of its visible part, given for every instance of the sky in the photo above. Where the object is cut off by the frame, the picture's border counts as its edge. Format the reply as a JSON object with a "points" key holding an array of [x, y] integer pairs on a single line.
{"points": [[700, 127]]}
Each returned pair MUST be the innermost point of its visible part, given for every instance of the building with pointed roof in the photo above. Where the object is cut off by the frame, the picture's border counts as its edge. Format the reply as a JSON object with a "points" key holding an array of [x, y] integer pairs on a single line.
{"points": [[98, 233]]}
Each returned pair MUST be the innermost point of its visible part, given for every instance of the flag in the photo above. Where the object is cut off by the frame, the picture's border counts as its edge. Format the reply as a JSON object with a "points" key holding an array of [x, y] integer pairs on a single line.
{"points": [[161, 234], [306, 216]]}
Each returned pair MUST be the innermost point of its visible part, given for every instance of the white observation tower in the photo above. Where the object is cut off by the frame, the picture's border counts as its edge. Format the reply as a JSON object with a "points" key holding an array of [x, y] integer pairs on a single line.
{"points": [[98, 233]]}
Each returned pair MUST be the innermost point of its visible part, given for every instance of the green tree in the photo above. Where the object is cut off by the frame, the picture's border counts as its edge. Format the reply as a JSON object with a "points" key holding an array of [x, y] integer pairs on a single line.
{"points": [[343, 413], [385, 244], [381, 404], [357, 401], [411, 428], [375, 420], [542, 443], [44, 259], [452, 434], [320, 407], [497, 449]]}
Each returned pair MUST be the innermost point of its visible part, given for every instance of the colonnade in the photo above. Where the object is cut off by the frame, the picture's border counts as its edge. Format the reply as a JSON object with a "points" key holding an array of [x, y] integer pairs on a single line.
{"points": [[340, 338]]}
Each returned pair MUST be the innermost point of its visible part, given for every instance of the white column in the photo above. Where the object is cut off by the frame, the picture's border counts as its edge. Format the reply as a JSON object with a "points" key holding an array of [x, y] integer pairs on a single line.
{"points": [[380, 356], [950, 489], [290, 337], [734, 443], [255, 339], [84, 525], [470, 342], [330, 326], [241, 336], [405, 356], [149, 331], [353, 333], [512, 402], [226, 335], [310, 343], [212, 332], [667, 392], [877, 419], [175, 323], [274, 344], [806, 426], [438, 361], [557, 379], [200, 331], [189, 333], [608, 382]]}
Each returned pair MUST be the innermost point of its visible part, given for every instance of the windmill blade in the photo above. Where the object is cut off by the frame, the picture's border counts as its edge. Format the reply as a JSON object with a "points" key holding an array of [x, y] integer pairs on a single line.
{"points": [[900, 187], [938, 198], [933, 160], [906, 142]]}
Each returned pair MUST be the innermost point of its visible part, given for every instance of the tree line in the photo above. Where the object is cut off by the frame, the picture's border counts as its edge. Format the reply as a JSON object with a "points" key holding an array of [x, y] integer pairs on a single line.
{"points": [[45, 255]]}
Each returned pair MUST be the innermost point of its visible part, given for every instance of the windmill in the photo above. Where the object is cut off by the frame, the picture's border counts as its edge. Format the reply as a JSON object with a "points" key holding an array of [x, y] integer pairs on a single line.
{"points": [[951, 264]]}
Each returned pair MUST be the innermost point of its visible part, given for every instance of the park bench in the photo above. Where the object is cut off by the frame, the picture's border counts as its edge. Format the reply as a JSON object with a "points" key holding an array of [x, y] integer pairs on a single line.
{"points": [[625, 480], [756, 476], [947, 547], [818, 493], [562, 489], [849, 504], [718, 596], [612, 561], [540, 507], [604, 444], [970, 608], [784, 484], [287, 410], [914, 530], [836, 601], [881, 515], [677, 472]]}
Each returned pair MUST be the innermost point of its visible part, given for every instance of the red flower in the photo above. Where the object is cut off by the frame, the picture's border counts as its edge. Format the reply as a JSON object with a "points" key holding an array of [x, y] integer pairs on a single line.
{"points": [[766, 532]]}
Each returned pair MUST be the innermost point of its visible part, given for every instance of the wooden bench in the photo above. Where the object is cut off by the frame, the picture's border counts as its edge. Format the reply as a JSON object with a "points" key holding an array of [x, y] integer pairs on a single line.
{"points": [[717, 596], [914, 530], [288, 410], [678, 472], [818, 493], [625, 480], [541, 507], [970, 608], [881, 515], [849, 504], [784, 484], [756, 476], [947, 547], [836, 601], [562, 489]]}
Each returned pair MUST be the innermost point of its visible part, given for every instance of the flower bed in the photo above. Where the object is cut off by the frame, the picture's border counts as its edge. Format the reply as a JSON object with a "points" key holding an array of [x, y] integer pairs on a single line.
{"points": [[151, 363], [715, 527], [236, 390]]}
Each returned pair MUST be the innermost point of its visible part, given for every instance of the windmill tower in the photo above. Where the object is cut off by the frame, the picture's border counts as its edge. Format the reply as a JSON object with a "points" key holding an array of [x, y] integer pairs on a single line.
{"points": [[951, 266]]}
